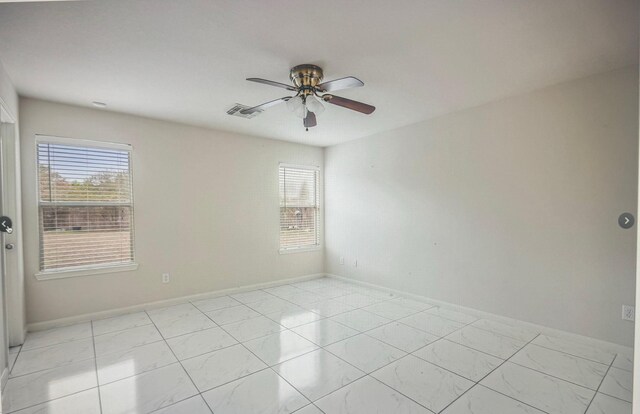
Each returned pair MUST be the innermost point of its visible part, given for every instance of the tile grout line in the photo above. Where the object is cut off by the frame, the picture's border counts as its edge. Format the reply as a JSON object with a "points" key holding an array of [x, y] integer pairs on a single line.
{"points": [[268, 367], [95, 353], [554, 376], [323, 317], [613, 396], [527, 367], [125, 377], [10, 367], [465, 346], [512, 398], [601, 382], [368, 374], [307, 406], [444, 338], [55, 367], [428, 362], [319, 347], [179, 362], [499, 333], [22, 349], [284, 379], [14, 364], [596, 391], [95, 363], [543, 373], [577, 356], [62, 366], [122, 330], [509, 360], [573, 355], [516, 321], [477, 383]]}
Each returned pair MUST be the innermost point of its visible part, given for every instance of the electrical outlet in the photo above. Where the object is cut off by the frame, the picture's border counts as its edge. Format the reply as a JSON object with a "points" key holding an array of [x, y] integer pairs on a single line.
{"points": [[166, 278], [628, 313], [341, 260]]}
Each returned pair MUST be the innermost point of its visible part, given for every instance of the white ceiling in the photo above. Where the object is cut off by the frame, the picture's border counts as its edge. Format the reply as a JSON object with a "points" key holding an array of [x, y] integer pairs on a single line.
{"points": [[187, 60]]}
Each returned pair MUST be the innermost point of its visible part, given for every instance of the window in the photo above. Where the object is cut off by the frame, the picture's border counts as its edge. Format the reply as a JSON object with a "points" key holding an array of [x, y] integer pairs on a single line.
{"points": [[85, 204], [299, 207]]}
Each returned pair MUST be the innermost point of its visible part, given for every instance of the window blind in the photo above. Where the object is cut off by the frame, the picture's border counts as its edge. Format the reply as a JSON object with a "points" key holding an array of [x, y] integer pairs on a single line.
{"points": [[85, 206], [299, 207]]}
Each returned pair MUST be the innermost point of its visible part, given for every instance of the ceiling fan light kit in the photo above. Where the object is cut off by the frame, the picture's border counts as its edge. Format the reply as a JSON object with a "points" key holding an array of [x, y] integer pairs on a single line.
{"points": [[307, 84], [314, 105]]}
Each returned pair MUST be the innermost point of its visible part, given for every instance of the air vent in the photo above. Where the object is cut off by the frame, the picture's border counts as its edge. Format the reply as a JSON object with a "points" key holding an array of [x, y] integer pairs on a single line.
{"points": [[235, 111]]}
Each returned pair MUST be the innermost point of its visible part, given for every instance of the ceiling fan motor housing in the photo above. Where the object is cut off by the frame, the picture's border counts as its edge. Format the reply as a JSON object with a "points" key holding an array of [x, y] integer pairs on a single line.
{"points": [[306, 77]]}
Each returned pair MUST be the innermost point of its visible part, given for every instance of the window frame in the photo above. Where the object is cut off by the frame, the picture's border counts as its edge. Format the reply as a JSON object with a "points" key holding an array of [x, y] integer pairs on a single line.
{"points": [[318, 194], [84, 270]]}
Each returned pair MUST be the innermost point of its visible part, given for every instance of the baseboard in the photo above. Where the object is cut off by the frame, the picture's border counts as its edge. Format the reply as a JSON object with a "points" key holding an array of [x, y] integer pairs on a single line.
{"points": [[56, 323], [38, 326], [617, 348]]}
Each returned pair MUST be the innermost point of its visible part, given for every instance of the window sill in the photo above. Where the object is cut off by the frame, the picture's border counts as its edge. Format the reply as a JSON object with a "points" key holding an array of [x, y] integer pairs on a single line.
{"points": [[300, 249], [85, 271]]}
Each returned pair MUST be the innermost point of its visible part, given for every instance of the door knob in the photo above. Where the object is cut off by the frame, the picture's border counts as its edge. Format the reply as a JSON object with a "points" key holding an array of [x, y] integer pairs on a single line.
{"points": [[8, 246]]}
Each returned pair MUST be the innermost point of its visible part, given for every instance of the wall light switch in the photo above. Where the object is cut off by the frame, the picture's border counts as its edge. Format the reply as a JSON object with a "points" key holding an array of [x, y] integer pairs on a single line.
{"points": [[341, 260]]}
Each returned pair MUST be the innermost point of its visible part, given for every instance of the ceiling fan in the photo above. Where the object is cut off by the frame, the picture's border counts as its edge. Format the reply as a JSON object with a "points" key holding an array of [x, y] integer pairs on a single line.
{"points": [[309, 92]]}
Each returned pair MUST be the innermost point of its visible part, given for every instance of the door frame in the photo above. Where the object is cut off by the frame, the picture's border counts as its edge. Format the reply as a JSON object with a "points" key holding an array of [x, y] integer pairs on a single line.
{"points": [[636, 343]]}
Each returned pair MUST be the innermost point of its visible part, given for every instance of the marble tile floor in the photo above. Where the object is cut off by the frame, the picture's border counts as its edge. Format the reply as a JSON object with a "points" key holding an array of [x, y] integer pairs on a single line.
{"points": [[319, 346]]}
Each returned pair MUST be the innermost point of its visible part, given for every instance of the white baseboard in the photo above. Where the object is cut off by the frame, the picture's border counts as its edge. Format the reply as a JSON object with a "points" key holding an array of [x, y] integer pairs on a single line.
{"points": [[38, 326], [56, 323], [621, 349]]}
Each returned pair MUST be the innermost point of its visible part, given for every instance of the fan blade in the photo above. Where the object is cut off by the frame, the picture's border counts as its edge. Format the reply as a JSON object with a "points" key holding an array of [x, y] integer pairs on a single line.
{"points": [[349, 104], [273, 83], [264, 106], [338, 84], [310, 120]]}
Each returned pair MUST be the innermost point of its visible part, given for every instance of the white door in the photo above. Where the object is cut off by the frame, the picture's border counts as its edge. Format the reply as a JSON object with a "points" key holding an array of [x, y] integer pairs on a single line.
{"points": [[12, 283], [4, 337]]}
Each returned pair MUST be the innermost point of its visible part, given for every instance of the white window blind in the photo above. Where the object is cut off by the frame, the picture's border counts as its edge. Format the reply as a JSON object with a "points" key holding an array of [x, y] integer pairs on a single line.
{"points": [[299, 207], [85, 205]]}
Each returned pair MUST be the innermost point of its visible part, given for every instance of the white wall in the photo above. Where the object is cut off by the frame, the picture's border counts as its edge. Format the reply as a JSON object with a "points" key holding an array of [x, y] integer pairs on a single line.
{"points": [[206, 210], [510, 207]]}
